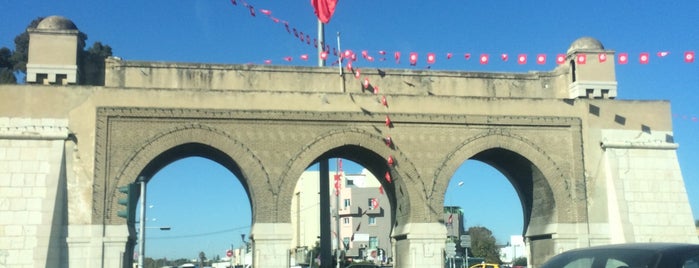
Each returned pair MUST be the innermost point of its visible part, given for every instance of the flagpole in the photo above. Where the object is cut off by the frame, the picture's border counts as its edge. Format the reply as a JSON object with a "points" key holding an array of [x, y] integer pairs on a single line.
{"points": [[342, 75], [321, 43]]}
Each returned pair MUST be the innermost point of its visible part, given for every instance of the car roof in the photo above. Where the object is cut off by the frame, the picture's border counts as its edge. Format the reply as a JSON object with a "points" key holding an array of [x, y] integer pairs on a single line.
{"points": [[658, 246]]}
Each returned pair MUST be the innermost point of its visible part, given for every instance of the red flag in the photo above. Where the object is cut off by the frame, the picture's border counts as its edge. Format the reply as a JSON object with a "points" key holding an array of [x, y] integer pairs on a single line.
{"points": [[388, 177], [560, 58], [467, 56], [304, 57], [623, 58], [384, 102], [397, 56], [602, 57], [381, 189], [266, 12], [541, 59], [504, 57], [376, 89], [522, 59], [581, 58], [449, 55], [431, 58], [390, 160], [388, 122], [663, 53], [644, 57], [324, 55], [388, 140], [413, 58], [484, 58], [366, 83], [288, 58], [689, 56], [374, 203], [324, 9]]}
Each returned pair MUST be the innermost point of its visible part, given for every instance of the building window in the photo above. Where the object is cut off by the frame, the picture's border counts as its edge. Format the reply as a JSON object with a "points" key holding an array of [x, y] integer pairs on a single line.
{"points": [[372, 220], [373, 242], [345, 220], [347, 203]]}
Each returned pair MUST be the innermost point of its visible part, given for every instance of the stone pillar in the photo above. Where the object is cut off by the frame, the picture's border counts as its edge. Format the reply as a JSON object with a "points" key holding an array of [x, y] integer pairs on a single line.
{"points": [[421, 245], [98, 245], [271, 244]]}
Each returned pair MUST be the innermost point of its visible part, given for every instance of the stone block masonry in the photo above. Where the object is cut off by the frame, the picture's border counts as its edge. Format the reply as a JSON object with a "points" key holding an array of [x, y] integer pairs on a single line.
{"points": [[32, 192]]}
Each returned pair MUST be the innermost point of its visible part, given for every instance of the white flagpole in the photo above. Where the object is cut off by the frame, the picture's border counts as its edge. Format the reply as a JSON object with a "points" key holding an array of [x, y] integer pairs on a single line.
{"points": [[321, 43], [339, 64]]}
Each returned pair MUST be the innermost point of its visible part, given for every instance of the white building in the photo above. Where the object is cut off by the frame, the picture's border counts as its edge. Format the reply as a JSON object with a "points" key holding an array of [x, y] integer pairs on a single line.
{"points": [[515, 249]]}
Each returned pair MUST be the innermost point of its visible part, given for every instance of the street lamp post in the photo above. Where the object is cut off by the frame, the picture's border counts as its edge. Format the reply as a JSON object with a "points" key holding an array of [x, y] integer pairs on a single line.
{"points": [[142, 233], [245, 248]]}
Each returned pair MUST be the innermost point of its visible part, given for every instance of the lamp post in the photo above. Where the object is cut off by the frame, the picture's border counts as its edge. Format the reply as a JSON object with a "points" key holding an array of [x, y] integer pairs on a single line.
{"points": [[245, 248], [142, 233]]}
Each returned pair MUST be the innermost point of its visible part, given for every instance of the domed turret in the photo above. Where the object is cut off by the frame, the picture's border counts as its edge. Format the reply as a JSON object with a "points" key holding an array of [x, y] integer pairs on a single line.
{"points": [[591, 70], [586, 44], [53, 52], [56, 23]]}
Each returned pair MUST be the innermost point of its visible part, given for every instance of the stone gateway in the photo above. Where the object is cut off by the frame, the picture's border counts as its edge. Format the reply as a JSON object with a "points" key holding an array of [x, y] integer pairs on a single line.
{"points": [[589, 169]]}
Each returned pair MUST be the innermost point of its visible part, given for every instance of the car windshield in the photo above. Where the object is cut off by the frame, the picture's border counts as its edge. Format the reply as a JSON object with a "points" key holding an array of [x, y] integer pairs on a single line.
{"points": [[608, 258]]}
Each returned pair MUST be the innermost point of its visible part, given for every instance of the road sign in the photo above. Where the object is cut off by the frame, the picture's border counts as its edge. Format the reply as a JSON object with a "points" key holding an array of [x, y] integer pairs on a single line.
{"points": [[466, 241], [450, 249]]}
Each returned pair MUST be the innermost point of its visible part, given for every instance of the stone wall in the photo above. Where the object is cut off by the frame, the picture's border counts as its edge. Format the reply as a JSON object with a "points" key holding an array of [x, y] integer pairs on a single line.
{"points": [[32, 192]]}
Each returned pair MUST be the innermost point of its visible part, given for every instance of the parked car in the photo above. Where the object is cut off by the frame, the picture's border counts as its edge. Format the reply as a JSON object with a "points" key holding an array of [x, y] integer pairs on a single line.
{"points": [[647, 255]]}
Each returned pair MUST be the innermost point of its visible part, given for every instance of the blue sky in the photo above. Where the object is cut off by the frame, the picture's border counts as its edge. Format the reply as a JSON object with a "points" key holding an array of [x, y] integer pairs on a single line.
{"points": [[213, 205]]}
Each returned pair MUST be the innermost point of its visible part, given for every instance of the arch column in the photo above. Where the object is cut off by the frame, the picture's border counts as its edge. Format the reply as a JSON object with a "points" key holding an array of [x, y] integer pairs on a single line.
{"points": [[271, 243], [421, 245]]}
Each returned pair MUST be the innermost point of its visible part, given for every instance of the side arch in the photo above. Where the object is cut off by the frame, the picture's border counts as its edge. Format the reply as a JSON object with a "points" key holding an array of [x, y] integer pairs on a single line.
{"points": [[548, 195], [188, 140]]}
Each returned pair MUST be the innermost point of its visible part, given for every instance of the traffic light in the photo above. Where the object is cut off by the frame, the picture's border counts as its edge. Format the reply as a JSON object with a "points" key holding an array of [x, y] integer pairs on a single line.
{"points": [[129, 203]]}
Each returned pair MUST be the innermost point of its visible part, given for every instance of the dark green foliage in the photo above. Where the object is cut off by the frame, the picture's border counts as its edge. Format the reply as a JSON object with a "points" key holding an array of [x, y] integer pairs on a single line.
{"points": [[483, 244]]}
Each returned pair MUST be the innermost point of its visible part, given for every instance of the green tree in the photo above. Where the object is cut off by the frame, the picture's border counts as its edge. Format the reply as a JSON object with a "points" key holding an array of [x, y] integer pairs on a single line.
{"points": [[7, 75], [483, 244], [520, 261]]}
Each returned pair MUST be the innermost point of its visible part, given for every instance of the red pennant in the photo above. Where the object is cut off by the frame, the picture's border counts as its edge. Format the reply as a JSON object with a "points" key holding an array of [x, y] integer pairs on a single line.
{"points": [[365, 54], [413, 58], [397, 56], [288, 58], [522, 59], [388, 177], [370, 58], [388, 141], [268, 61], [541, 59], [357, 74], [484, 58], [663, 53], [581, 58], [623, 58], [324, 55], [560, 58], [689, 56], [266, 12], [324, 9], [374, 203], [382, 52], [304, 57], [644, 58], [381, 189], [388, 121], [431, 58], [449, 55], [366, 83], [504, 57], [390, 160], [467, 56], [602, 57], [376, 90], [383, 101]]}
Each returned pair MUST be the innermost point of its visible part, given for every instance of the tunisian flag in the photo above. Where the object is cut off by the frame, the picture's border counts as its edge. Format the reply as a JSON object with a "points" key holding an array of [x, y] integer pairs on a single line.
{"points": [[324, 9]]}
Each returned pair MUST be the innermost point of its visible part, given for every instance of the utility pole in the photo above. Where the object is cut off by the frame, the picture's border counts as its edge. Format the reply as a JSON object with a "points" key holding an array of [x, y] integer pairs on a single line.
{"points": [[142, 233]]}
